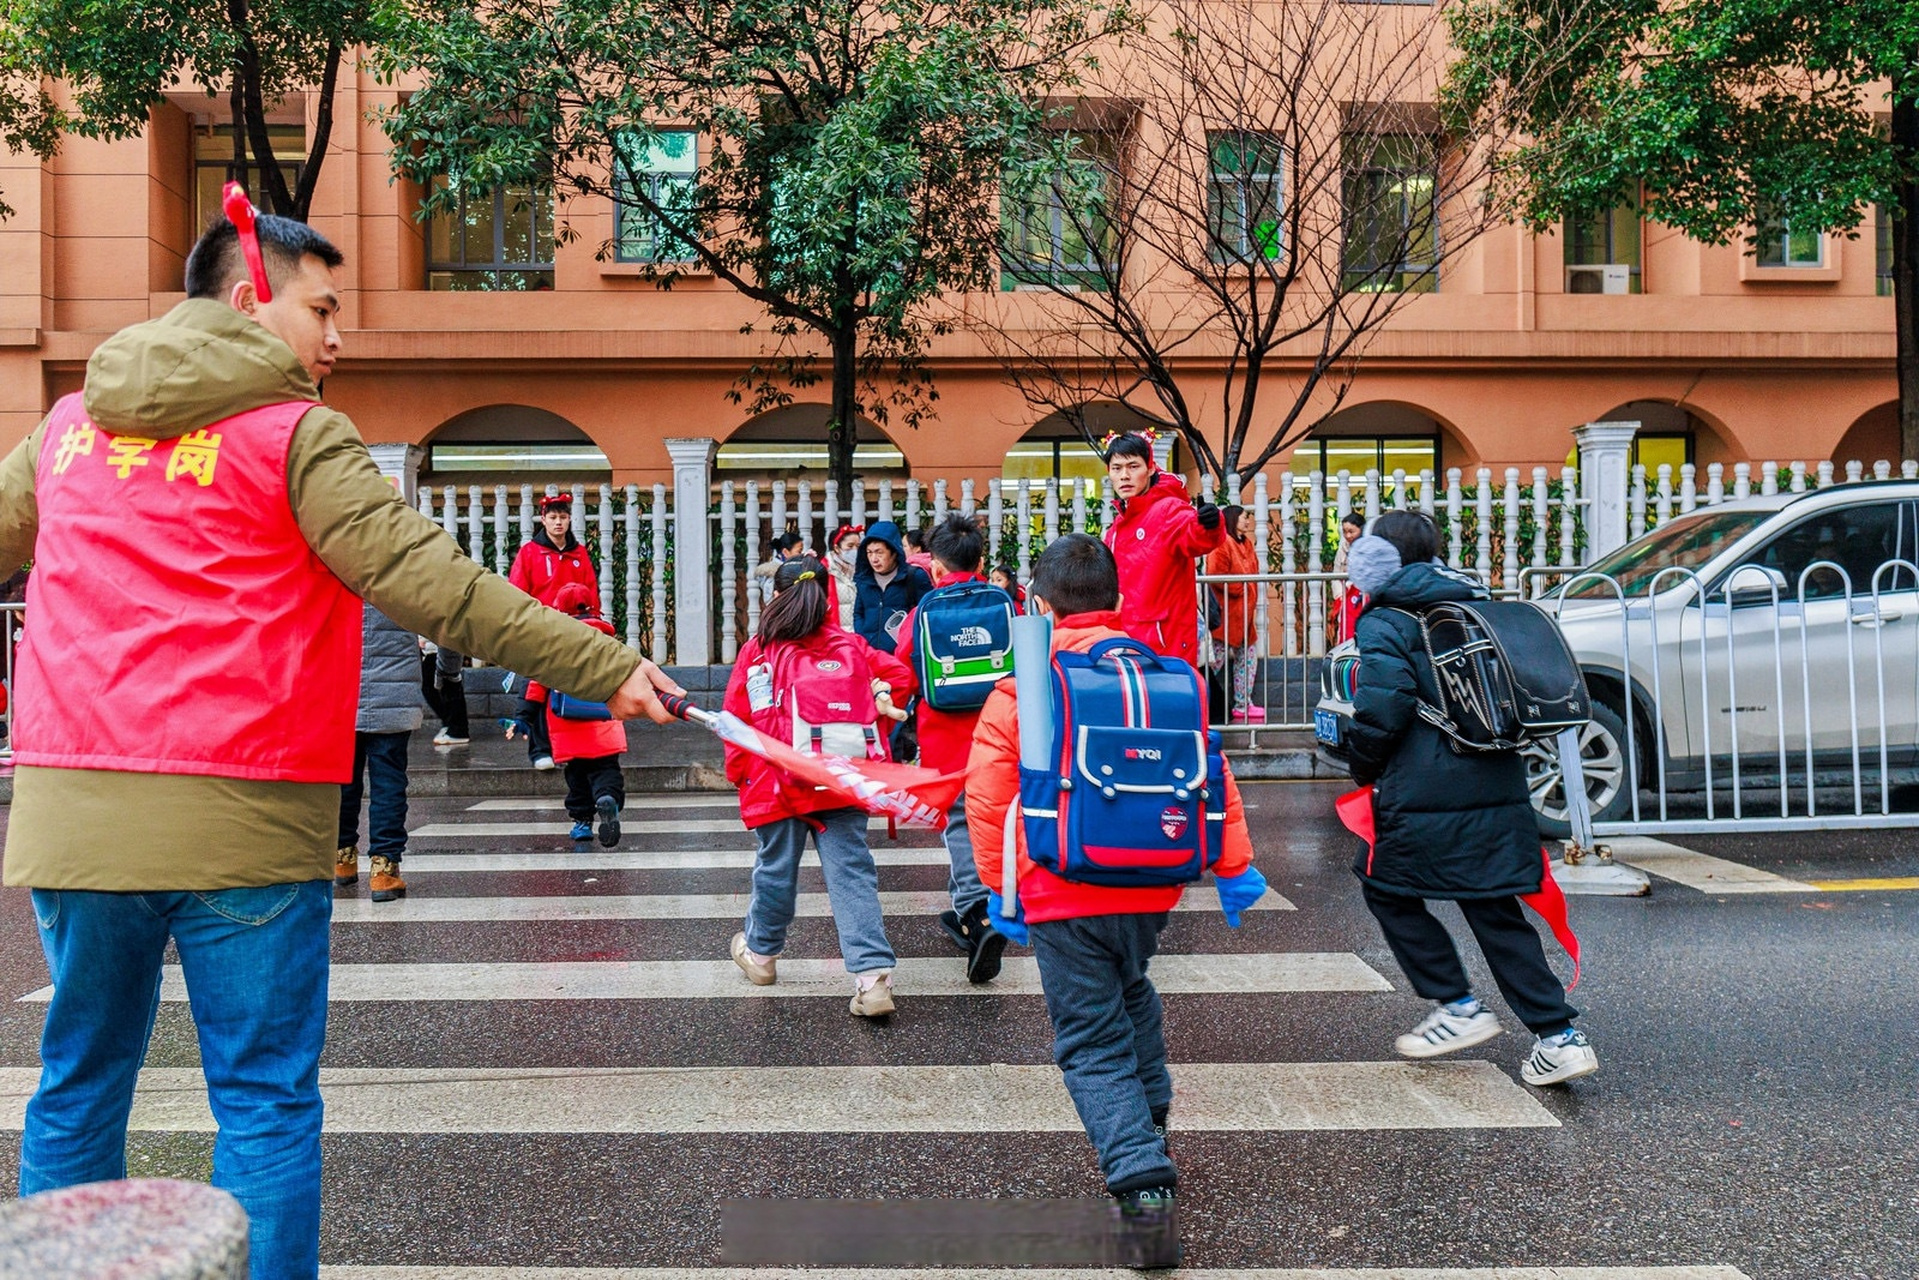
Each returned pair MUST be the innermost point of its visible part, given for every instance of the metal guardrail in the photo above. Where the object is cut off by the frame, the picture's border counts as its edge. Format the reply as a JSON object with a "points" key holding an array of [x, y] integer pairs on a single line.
{"points": [[1787, 729]]}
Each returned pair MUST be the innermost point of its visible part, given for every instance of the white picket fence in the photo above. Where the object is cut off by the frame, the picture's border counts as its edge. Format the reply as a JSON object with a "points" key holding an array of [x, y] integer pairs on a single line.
{"points": [[1498, 523]]}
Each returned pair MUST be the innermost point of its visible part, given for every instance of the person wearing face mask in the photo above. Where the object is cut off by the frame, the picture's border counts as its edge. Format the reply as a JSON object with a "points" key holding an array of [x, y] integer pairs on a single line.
{"points": [[547, 563], [1155, 540], [840, 564]]}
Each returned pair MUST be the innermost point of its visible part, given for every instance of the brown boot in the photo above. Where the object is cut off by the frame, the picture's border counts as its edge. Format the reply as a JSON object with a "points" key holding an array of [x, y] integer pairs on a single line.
{"points": [[346, 866], [385, 882]]}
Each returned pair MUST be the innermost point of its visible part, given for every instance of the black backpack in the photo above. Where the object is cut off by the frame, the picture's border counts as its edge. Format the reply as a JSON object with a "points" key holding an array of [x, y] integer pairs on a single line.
{"points": [[1506, 676]]}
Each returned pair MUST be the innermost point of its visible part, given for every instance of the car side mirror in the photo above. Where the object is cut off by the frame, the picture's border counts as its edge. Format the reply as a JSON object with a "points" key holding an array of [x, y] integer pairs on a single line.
{"points": [[1756, 584]]}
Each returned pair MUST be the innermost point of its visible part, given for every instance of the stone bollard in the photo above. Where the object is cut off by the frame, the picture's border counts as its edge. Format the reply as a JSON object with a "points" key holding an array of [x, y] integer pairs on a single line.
{"points": [[149, 1229]]}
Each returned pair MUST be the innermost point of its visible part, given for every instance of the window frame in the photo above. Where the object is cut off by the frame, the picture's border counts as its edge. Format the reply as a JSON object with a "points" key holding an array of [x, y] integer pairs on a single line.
{"points": [[1569, 229], [1776, 232], [291, 170], [655, 179], [1019, 270], [1241, 184], [1406, 275], [1882, 250], [498, 267], [1380, 450]]}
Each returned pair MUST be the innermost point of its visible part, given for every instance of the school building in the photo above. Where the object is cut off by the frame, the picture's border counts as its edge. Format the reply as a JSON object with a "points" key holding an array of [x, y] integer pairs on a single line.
{"points": [[512, 357]]}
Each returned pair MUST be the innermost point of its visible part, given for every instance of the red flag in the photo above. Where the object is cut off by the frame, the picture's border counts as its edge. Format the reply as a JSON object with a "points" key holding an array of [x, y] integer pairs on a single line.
{"points": [[912, 797], [1355, 810]]}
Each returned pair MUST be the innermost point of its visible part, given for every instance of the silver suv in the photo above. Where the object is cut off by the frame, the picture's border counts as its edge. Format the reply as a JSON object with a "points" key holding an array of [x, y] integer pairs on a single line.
{"points": [[1771, 615]]}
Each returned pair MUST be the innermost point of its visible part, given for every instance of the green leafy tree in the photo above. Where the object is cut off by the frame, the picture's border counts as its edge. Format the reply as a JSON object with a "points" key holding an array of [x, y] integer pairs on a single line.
{"points": [[117, 58], [1731, 114], [848, 152]]}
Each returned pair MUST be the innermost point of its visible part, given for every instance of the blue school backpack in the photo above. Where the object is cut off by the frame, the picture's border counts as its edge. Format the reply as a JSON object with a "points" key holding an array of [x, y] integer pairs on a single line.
{"points": [[962, 644], [1138, 799]]}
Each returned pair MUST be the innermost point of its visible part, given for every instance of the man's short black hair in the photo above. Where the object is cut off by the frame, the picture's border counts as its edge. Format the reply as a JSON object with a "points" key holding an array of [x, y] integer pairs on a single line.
{"points": [[217, 263], [1131, 445], [1076, 574], [787, 541], [956, 543]]}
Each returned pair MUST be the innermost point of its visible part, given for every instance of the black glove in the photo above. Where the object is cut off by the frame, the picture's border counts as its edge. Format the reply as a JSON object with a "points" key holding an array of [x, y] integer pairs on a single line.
{"points": [[1208, 516]]}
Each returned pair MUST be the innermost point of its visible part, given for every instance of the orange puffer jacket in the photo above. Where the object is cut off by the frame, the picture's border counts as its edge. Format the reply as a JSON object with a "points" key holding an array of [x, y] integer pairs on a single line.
{"points": [[992, 787]]}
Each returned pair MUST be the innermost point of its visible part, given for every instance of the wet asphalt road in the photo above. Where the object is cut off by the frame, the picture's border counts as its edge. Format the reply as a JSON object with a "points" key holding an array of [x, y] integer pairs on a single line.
{"points": [[1757, 1106]]}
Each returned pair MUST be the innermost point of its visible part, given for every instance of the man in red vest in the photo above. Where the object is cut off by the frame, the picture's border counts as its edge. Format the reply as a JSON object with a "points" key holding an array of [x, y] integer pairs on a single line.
{"points": [[203, 531]]}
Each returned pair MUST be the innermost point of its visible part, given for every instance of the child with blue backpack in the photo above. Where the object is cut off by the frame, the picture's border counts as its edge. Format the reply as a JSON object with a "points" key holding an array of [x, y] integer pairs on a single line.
{"points": [[957, 643], [1094, 929]]}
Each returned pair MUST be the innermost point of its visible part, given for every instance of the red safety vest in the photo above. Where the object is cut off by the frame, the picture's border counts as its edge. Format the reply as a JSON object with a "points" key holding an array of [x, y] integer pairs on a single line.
{"points": [[177, 620]]}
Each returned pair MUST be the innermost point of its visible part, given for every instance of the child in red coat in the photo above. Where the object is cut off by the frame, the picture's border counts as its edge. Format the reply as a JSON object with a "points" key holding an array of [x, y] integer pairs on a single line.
{"points": [[589, 750]]}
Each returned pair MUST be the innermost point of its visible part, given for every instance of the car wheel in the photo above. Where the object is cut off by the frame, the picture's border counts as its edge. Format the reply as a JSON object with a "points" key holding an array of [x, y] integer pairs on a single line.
{"points": [[1602, 752]]}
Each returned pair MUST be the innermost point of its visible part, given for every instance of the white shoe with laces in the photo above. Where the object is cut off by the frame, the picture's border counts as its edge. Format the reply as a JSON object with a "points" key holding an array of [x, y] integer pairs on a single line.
{"points": [[1448, 1029], [445, 738], [1557, 1059]]}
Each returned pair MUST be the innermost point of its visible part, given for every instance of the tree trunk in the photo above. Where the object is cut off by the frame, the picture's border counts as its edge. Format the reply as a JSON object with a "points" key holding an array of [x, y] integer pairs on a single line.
{"points": [[322, 133], [237, 171], [1905, 259], [843, 428]]}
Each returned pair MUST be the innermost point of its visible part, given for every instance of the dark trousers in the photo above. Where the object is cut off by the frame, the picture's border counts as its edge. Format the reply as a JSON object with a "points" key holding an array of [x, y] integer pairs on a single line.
{"points": [[1108, 1038], [1506, 938], [587, 779], [533, 715], [379, 775], [447, 700]]}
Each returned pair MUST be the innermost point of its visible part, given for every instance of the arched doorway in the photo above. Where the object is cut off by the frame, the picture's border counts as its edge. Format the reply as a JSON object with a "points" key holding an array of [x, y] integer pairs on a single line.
{"points": [[512, 444], [789, 443], [1383, 436], [1669, 435], [1872, 437]]}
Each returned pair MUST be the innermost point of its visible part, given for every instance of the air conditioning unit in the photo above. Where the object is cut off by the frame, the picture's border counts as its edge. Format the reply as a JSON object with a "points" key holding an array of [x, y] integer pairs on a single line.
{"points": [[1603, 277]]}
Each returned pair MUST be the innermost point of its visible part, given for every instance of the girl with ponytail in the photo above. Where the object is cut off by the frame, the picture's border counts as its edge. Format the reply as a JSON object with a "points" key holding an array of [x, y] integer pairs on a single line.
{"points": [[804, 680]]}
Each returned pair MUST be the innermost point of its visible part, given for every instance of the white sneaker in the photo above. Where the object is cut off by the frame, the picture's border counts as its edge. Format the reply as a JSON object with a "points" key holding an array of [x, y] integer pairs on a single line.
{"points": [[1557, 1059], [872, 999], [543, 763], [1448, 1029], [444, 738]]}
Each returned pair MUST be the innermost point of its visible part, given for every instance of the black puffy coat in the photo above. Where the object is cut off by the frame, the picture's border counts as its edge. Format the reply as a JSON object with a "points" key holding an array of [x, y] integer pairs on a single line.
{"points": [[1445, 825]]}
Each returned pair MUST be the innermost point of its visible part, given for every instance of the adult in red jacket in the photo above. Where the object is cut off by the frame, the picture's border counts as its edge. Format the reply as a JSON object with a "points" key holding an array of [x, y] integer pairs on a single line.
{"points": [[1157, 537], [549, 561], [553, 557]]}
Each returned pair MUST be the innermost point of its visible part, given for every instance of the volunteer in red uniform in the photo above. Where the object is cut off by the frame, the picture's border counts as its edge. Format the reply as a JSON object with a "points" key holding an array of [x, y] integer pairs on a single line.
{"points": [[549, 562], [1155, 540], [203, 531]]}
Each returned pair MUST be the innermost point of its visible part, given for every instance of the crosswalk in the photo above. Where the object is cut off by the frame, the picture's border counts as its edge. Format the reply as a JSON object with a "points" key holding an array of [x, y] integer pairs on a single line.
{"points": [[588, 1006]]}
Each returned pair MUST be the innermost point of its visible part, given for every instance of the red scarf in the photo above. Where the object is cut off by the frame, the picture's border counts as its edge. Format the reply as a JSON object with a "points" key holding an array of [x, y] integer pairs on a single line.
{"points": [[1355, 810]]}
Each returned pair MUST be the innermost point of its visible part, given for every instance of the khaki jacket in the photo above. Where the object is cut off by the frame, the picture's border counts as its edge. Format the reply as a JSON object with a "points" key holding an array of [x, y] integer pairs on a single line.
{"points": [[109, 830]]}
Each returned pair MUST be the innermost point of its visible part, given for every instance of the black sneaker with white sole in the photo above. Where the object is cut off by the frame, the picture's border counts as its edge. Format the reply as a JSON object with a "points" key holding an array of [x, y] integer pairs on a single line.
{"points": [[1146, 1232]]}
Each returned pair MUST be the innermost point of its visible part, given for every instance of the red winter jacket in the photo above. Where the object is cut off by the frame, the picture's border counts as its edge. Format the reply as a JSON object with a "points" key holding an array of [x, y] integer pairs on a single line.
{"points": [[541, 568], [762, 797], [585, 739], [1155, 541], [946, 737], [992, 787]]}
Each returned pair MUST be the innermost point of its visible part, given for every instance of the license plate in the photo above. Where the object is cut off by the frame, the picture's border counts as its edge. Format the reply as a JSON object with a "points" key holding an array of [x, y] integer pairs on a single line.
{"points": [[1326, 727]]}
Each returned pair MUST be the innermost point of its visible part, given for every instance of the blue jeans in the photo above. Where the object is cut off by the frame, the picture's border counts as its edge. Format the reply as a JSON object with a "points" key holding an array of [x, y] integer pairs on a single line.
{"points": [[255, 962], [962, 880], [379, 772], [852, 886], [1108, 1038]]}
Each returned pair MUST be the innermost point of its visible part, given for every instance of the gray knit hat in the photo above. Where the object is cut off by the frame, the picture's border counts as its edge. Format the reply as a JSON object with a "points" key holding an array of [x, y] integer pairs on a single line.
{"points": [[1371, 562]]}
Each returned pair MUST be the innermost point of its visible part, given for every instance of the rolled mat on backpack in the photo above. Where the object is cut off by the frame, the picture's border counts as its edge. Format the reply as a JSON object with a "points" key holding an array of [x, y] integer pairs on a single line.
{"points": [[1355, 810], [1033, 680]]}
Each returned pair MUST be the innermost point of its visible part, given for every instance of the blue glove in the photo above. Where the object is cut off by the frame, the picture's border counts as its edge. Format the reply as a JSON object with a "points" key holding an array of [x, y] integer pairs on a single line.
{"points": [[1013, 930], [1236, 893]]}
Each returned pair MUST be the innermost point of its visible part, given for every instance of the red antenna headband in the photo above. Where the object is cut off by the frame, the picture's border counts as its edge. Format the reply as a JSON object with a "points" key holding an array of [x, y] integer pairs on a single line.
{"points": [[240, 213]]}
